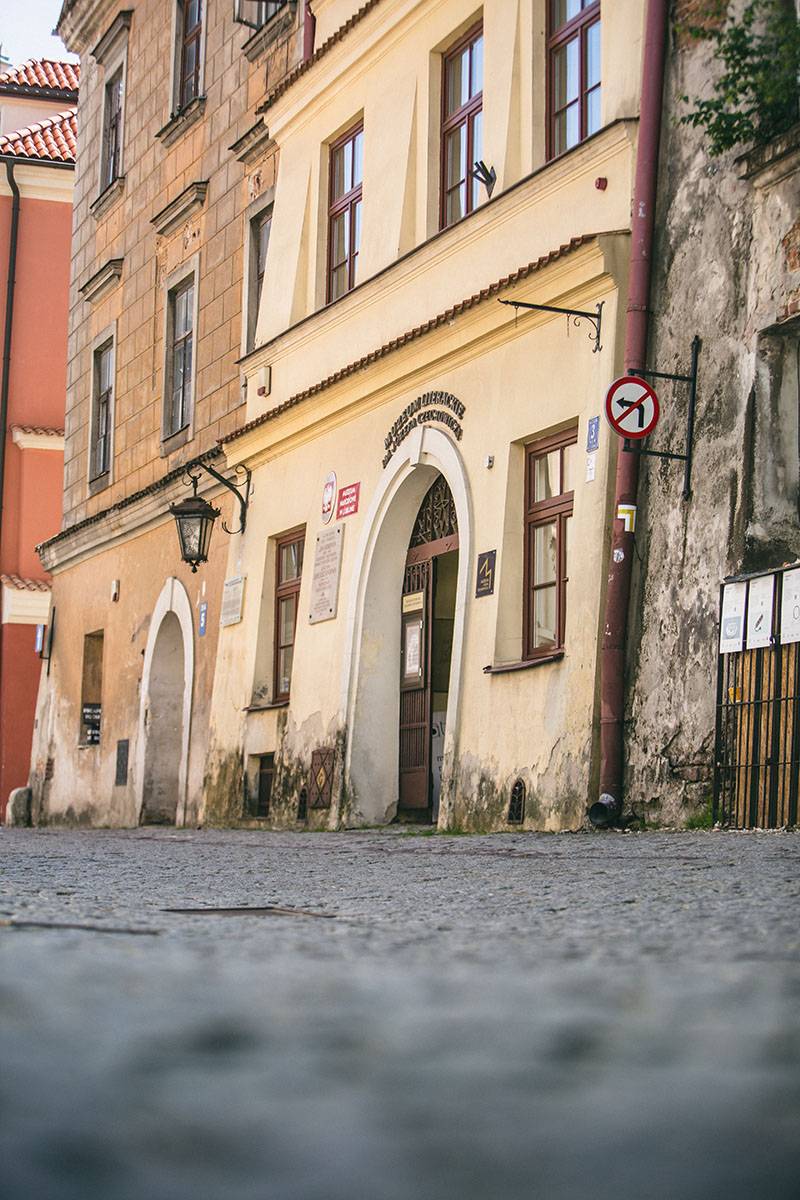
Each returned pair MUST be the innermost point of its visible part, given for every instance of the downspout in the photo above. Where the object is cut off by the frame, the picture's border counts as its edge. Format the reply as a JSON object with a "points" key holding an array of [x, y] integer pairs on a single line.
{"points": [[309, 29], [4, 386], [608, 808]]}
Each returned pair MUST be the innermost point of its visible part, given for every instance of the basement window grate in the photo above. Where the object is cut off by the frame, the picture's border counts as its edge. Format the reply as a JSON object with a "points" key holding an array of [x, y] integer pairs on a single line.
{"points": [[266, 773], [516, 807]]}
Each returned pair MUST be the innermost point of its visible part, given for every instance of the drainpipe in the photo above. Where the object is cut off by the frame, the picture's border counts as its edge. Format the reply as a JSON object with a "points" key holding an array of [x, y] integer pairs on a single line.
{"points": [[4, 386], [608, 808], [309, 29]]}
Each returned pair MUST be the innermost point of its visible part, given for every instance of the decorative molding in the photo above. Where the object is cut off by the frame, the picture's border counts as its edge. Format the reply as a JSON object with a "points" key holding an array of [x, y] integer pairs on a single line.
{"points": [[768, 164], [178, 211], [108, 198], [25, 601], [181, 120], [115, 34], [103, 281], [253, 144], [29, 437]]}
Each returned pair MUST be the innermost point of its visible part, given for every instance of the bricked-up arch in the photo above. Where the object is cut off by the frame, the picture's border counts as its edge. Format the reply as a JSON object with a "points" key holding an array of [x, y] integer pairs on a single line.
{"points": [[165, 713], [370, 677]]}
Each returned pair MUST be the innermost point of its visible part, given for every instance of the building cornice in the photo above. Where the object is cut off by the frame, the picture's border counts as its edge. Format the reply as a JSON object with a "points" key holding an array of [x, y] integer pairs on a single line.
{"points": [[24, 601], [80, 22], [114, 36], [37, 437], [179, 210], [103, 281], [253, 144]]}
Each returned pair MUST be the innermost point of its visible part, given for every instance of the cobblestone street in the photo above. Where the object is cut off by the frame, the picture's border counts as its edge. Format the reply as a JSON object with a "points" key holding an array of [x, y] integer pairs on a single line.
{"points": [[508, 1016]]}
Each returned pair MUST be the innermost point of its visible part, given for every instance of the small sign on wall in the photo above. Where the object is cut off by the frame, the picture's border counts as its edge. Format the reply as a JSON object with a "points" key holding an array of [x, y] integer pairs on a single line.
{"points": [[328, 497], [232, 597], [325, 576], [790, 607], [484, 582], [731, 634], [593, 434], [203, 619], [39, 639], [759, 611], [347, 504]]}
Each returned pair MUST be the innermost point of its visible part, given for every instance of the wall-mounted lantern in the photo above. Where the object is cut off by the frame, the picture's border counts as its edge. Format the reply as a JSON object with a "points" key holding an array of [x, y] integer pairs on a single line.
{"points": [[195, 517]]}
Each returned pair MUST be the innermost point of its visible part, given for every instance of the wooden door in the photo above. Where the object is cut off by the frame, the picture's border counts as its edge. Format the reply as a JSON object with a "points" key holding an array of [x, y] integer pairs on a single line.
{"points": [[415, 687]]}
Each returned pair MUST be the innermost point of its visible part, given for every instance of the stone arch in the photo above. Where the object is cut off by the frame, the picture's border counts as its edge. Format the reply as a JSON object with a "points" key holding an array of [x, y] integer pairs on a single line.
{"points": [[165, 708], [371, 668]]}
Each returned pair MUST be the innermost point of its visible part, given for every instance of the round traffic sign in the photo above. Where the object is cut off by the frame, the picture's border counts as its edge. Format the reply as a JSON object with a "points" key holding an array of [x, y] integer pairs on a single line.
{"points": [[631, 407]]}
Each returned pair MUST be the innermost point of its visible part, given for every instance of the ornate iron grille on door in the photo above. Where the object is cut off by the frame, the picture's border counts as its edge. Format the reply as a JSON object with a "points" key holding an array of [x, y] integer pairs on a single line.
{"points": [[436, 518], [757, 744]]}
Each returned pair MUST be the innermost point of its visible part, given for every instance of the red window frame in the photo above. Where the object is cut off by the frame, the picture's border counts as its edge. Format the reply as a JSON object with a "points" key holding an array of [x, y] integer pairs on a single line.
{"points": [[577, 27], [284, 590], [346, 205], [463, 116], [556, 509], [189, 85]]}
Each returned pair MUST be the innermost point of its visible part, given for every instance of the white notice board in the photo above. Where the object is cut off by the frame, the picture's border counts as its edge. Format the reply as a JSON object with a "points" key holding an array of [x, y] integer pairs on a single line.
{"points": [[325, 577], [790, 607], [731, 631], [232, 597], [759, 611]]}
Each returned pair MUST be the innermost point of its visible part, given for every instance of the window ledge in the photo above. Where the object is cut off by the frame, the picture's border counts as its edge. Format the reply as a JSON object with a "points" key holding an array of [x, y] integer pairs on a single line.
{"points": [[181, 120], [107, 198], [174, 441], [99, 483], [504, 668], [266, 706], [269, 32]]}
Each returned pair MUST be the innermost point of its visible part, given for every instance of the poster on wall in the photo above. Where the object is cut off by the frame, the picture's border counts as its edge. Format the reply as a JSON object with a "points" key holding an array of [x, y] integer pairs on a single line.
{"points": [[325, 576], [759, 612], [731, 632], [790, 607], [232, 597]]}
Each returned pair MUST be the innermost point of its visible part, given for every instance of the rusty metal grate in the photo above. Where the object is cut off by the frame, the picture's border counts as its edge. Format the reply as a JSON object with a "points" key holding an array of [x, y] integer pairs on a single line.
{"points": [[321, 783], [516, 807]]}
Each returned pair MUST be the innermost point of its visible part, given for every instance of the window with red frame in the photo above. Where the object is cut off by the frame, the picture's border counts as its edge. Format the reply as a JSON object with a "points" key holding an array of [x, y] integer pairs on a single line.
{"points": [[574, 72], [462, 126], [288, 574], [550, 465], [344, 211]]}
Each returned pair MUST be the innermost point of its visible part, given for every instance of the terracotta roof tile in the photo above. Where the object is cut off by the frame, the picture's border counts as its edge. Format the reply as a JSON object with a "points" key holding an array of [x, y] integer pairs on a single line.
{"points": [[24, 585], [53, 139], [41, 430], [43, 76], [411, 335]]}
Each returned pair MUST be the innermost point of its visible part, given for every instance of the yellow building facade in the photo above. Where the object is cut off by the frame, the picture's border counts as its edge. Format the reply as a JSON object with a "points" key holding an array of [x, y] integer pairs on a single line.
{"points": [[432, 488]]}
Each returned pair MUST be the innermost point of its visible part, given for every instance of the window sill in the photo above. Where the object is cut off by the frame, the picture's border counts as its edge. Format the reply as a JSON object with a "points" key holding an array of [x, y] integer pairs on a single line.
{"points": [[181, 120], [267, 706], [107, 198], [269, 32], [505, 668], [99, 484], [174, 441]]}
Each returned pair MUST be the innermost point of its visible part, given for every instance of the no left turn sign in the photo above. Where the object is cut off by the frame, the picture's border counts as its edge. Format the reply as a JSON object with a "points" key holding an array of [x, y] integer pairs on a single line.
{"points": [[631, 407]]}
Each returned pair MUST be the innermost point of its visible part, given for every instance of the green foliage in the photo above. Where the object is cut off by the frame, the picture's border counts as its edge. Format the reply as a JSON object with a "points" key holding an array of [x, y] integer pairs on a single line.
{"points": [[704, 819], [756, 95]]}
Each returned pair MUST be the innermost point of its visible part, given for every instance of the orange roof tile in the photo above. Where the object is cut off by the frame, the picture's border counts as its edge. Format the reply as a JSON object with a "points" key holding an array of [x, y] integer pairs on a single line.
{"points": [[53, 139], [42, 76], [24, 585]]}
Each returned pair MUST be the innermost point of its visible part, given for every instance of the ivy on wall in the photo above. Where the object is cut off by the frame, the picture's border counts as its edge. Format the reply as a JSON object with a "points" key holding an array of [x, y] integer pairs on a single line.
{"points": [[755, 95]]}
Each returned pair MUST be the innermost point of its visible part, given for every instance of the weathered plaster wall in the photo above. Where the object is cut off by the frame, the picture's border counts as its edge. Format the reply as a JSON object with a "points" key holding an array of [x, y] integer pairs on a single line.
{"points": [[726, 268]]}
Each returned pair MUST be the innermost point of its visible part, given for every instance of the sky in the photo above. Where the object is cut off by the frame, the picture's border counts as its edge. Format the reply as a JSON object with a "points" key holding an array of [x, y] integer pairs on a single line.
{"points": [[26, 30]]}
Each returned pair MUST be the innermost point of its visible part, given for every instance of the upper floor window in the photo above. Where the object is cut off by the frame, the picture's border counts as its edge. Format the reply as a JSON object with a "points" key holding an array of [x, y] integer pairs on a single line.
{"points": [[180, 356], [344, 211], [103, 391], [574, 72], [462, 126], [112, 131], [260, 227], [549, 493], [190, 26], [256, 13]]}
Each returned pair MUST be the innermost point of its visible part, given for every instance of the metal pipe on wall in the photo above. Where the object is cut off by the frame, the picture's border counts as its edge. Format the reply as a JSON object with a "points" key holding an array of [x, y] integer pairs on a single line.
{"points": [[309, 29], [615, 625], [9, 323]]}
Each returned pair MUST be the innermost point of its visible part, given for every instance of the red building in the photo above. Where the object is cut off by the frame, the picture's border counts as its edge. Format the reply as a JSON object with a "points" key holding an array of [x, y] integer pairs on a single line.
{"points": [[37, 166]]}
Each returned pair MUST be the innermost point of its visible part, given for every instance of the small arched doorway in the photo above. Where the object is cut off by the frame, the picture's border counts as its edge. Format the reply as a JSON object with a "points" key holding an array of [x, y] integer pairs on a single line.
{"points": [[427, 617], [163, 726]]}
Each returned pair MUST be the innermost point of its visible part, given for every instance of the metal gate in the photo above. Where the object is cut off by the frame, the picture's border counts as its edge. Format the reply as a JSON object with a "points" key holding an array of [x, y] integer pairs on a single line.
{"points": [[757, 750]]}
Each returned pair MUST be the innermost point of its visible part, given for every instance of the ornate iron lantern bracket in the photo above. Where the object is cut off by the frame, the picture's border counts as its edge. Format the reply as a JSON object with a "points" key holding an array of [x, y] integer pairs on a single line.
{"points": [[575, 315], [240, 491]]}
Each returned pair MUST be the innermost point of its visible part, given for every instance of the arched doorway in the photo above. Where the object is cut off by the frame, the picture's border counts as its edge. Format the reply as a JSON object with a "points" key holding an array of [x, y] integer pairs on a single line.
{"points": [[163, 727], [162, 751], [427, 621], [372, 664]]}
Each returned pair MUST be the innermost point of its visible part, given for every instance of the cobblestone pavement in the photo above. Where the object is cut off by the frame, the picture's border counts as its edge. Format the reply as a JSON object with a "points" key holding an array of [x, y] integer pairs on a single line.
{"points": [[517, 1016]]}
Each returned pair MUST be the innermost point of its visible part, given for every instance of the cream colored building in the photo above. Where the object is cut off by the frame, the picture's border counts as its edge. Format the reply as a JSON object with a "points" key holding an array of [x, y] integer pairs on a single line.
{"points": [[433, 454]]}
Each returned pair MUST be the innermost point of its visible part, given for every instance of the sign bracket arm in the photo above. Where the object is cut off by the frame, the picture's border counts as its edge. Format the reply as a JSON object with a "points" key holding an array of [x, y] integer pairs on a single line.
{"points": [[686, 457], [575, 314]]}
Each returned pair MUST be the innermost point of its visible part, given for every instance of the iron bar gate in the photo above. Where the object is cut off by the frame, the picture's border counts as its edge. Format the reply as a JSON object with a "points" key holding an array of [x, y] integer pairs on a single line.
{"points": [[757, 743]]}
